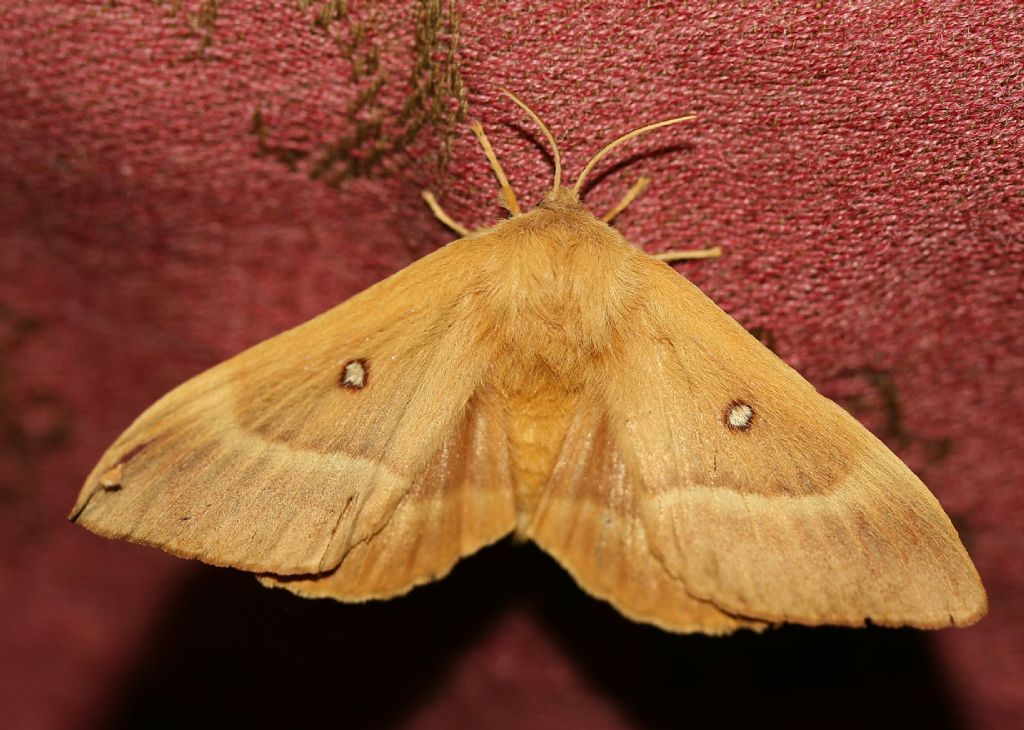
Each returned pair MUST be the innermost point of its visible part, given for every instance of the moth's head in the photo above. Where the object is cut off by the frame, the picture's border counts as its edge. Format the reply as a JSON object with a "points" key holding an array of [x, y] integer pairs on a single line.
{"points": [[560, 196]]}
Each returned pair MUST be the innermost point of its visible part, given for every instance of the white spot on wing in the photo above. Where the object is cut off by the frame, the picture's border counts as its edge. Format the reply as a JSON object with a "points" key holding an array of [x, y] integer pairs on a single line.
{"points": [[739, 415], [354, 374]]}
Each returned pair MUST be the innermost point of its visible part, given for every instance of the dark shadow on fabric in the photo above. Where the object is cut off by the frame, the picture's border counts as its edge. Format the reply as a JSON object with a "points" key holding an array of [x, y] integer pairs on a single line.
{"points": [[631, 167], [794, 677], [231, 653], [535, 138], [234, 654]]}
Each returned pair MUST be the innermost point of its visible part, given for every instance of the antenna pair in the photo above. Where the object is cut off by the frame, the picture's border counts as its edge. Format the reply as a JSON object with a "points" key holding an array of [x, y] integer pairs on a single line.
{"points": [[512, 203]]}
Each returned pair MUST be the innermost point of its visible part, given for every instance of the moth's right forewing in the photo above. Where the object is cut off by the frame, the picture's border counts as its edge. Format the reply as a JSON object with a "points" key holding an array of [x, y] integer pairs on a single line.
{"points": [[788, 511], [279, 460]]}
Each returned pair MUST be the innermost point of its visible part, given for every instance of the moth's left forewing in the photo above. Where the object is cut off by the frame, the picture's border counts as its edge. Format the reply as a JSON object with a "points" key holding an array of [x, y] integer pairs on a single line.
{"points": [[764, 497], [286, 457]]}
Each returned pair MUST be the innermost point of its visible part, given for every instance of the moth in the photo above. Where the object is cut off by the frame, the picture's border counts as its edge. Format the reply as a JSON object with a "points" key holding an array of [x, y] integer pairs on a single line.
{"points": [[545, 378]]}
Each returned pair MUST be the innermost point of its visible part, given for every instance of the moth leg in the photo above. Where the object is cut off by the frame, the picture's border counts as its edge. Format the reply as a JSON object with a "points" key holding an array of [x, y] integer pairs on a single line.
{"points": [[507, 193], [701, 253], [439, 213], [632, 194], [668, 256]]}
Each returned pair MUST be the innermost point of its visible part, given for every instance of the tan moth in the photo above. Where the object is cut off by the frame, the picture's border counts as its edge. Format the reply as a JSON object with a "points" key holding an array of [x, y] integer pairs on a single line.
{"points": [[541, 377]]}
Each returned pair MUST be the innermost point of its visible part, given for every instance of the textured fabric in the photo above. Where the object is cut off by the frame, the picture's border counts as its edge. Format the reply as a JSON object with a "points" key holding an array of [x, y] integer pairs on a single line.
{"points": [[180, 180]]}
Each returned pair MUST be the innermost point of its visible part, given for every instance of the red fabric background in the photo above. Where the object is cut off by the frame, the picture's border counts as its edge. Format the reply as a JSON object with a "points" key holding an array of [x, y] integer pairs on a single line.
{"points": [[168, 197]]}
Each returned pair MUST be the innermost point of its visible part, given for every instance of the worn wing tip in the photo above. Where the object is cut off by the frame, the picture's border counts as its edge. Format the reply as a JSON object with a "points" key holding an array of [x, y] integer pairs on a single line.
{"points": [[973, 615], [83, 501], [969, 603], [967, 614], [958, 610], [109, 479]]}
